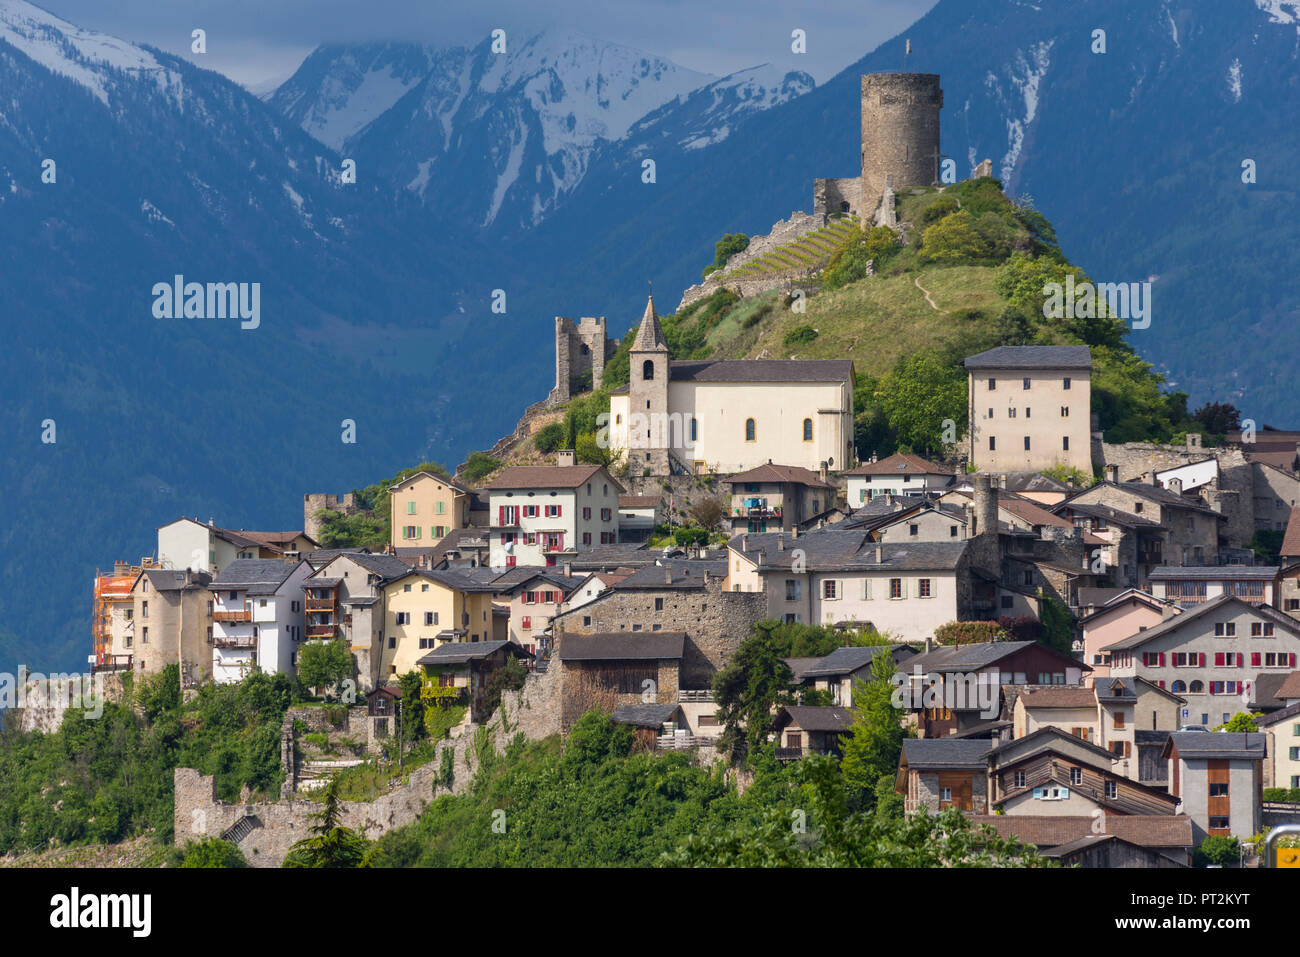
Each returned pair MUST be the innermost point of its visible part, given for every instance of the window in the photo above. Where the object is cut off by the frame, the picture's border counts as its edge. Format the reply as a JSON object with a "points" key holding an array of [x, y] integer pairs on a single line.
{"points": [[1225, 629], [648, 370], [896, 588], [1112, 790], [144, 636], [144, 609], [430, 617], [402, 617], [993, 385], [392, 643], [659, 604], [914, 530], [945, 794], [586, 538], [1029, 576], [993, 444], [1019, 779], [1066, 382], [750, 431], [1026, 381], [410, 508], [1065, 411], [791, 589], [1118, 720], [1196, 687], [1065, 442], [1076, 776], [606, 515], [923, 587], [952, 531], [1219, 789], [990, 413], [586, 514], [807, 430], [695, 429], [1011, 413], [1026, 443], [829, 588]]}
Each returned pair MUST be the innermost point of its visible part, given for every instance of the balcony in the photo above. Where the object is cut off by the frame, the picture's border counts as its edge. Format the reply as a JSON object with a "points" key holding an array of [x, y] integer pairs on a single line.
{"points": [[321, 631], [320, 604], [244, 615], [111, 663], [240, 642], [1150, 556], [789, 754]]}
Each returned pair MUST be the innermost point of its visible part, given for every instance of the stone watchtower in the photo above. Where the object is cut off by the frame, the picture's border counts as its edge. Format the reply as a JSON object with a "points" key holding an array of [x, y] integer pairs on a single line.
{"points": [[900, 133], [580, 348], [647, 428]]}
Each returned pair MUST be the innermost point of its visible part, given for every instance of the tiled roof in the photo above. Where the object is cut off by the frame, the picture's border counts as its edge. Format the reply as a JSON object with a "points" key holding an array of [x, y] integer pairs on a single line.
{"points": [[1032, 357], [546, 476], [167, 579], [622, 646], [1291, 540], [836, 549], [1147, 830], [844, 661], [1290, 711], [1214, 572], [1059, 696], [640, 501], [1032, 482], [1290, 688], [762, 370], [649, 335], [1112, 515], [1217, 744], [900, 463], [780, 473], [673, 573], [385, 566], [450, 482], [461, 652]]}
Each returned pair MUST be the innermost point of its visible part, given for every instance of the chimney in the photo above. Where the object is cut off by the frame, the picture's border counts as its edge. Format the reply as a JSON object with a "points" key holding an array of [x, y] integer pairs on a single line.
{"points": [[986, 507], [706, 578], [794, 531], [1175, 485], [1112, 473], [823, 471], [879, 554], [744, 542], [929, 643], [668, 575], [564, 457], [1154, 479], [780, 541], [568, 570], [1193, 440]]}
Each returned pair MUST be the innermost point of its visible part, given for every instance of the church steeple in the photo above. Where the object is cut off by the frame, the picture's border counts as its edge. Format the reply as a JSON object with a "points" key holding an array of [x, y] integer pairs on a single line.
{"points": [[650, 337]]}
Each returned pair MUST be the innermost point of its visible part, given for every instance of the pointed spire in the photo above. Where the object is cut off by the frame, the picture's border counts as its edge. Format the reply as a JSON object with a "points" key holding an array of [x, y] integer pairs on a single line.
{"points": [[650, 337]]}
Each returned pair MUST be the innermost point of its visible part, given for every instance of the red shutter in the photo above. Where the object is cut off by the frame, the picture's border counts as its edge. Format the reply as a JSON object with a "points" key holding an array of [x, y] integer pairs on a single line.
{"points": [[1254, 659], [1162, 659], [1218, 659], [1162, 684], [1241, 660], [1202, 659], [501, 514], [1293, 659]]}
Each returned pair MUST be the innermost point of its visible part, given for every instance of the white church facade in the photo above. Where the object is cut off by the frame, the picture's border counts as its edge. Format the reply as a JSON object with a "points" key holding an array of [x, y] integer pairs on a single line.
{"points": [[727, 416]]}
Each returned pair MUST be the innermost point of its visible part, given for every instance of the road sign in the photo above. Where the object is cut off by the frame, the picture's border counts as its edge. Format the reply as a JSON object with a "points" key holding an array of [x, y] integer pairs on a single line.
{"points": [[1288, 857]]}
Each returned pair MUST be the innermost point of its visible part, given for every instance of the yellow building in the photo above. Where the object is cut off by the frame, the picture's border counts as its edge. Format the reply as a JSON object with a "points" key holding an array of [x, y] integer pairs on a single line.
{"points": [[424, 508], [426, 609]]}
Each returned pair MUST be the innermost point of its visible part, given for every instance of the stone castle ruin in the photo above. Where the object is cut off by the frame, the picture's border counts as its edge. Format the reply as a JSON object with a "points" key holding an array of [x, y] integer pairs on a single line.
{"points": [[581, 350]]}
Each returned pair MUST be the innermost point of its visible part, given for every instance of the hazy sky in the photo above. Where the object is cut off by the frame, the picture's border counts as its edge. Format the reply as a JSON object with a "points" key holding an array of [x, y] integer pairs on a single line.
{"points": [[254, 41]]}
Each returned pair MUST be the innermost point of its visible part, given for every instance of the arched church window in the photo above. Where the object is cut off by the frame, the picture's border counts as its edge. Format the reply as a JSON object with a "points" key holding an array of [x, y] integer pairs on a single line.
{"points": [[648, 370], [807, 430], [751, 432]]}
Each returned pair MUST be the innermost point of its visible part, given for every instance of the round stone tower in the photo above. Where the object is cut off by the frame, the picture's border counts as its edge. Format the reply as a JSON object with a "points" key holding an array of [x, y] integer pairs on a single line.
{"points": [[900, 133]]}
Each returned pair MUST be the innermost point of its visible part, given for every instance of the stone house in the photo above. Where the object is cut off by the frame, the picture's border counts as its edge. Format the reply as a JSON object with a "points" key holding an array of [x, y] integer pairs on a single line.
{"points": [[778, 498], [456, 673], [652, 723], [801, 729], [609, 670], [939, 773], [360, 608], [681, 596], [1218, 780], [1211, 654], [169, 622]]}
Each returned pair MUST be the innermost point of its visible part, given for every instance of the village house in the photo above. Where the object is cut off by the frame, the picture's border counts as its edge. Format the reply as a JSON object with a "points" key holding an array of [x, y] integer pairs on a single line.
{"points": [[1211, 654], [898, 474], [535, 599], [683, 596], [654, 725], [726, 416], [1192, 584], [188, 543], [350, 605], [258, 618], [113, 617], [778, 498], [169, 623], [544, 514], [801, 730], [1218, 780], [1133, 840], [837, 672], [638, 515], [1282, 729], [621, 668], [1007, 385], [591, 586], [456, 673], [1128, 612], [425, 609], [424, 508], [956, 687], [941, 773]]}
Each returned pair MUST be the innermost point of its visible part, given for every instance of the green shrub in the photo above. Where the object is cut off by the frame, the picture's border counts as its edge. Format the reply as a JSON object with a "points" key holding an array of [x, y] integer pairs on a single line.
{"points": [[800, 335], [687, 536], [549, 437], [479, 465], [212, 852], [1218, 849], [954, 239], [969, 632], [944, 205]]}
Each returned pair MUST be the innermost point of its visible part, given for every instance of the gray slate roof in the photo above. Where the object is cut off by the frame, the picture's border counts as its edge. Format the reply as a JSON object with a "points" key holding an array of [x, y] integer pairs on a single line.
{"points": [[956, 753], [1214, 572], [1189, 617], [969, 657], [836, 549], [684, 574], [810, 718], [256, 576], [1218, 744], [168, 579], [1032, 357], [462, 652], [644, 715], [623, 646], [762, 370], [844, 661]]}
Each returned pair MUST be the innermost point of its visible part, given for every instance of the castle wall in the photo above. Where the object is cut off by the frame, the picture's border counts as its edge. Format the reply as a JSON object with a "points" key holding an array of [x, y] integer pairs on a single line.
{"points": [[830, 197], [315, 501]]}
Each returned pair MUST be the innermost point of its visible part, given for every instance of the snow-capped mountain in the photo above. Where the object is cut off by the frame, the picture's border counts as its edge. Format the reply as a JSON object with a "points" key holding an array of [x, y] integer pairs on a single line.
{"points": [[500, 139]]}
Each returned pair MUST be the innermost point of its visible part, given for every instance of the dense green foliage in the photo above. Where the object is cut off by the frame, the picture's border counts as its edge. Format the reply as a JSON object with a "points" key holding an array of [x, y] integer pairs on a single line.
{"points": [[369, 528], [478, 466], [1241, 723], [549, 437], [800, 335], [212, 852], [877, 246], [324, 664], [331, 844], [109, 778], [1218, 850], [969, 632], [724, 249], [875, 743], [923, 399], [1266, 543]]}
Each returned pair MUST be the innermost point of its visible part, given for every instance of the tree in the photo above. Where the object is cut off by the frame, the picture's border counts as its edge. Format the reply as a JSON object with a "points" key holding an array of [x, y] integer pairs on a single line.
{"points": [[954, 239], [1240, 722], [1266, 543], [814, 827], [875, 740], [212, 852], [331, 844], [708, 512], [924, 401], [588, 450], [549, 437], [478, 466], [324, 664], [1218, 418], [725, 248], [1219, 850]]}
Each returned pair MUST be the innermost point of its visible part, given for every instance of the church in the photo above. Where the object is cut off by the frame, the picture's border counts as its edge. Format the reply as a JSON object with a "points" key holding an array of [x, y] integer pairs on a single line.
{"points": [[729, 415]]}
